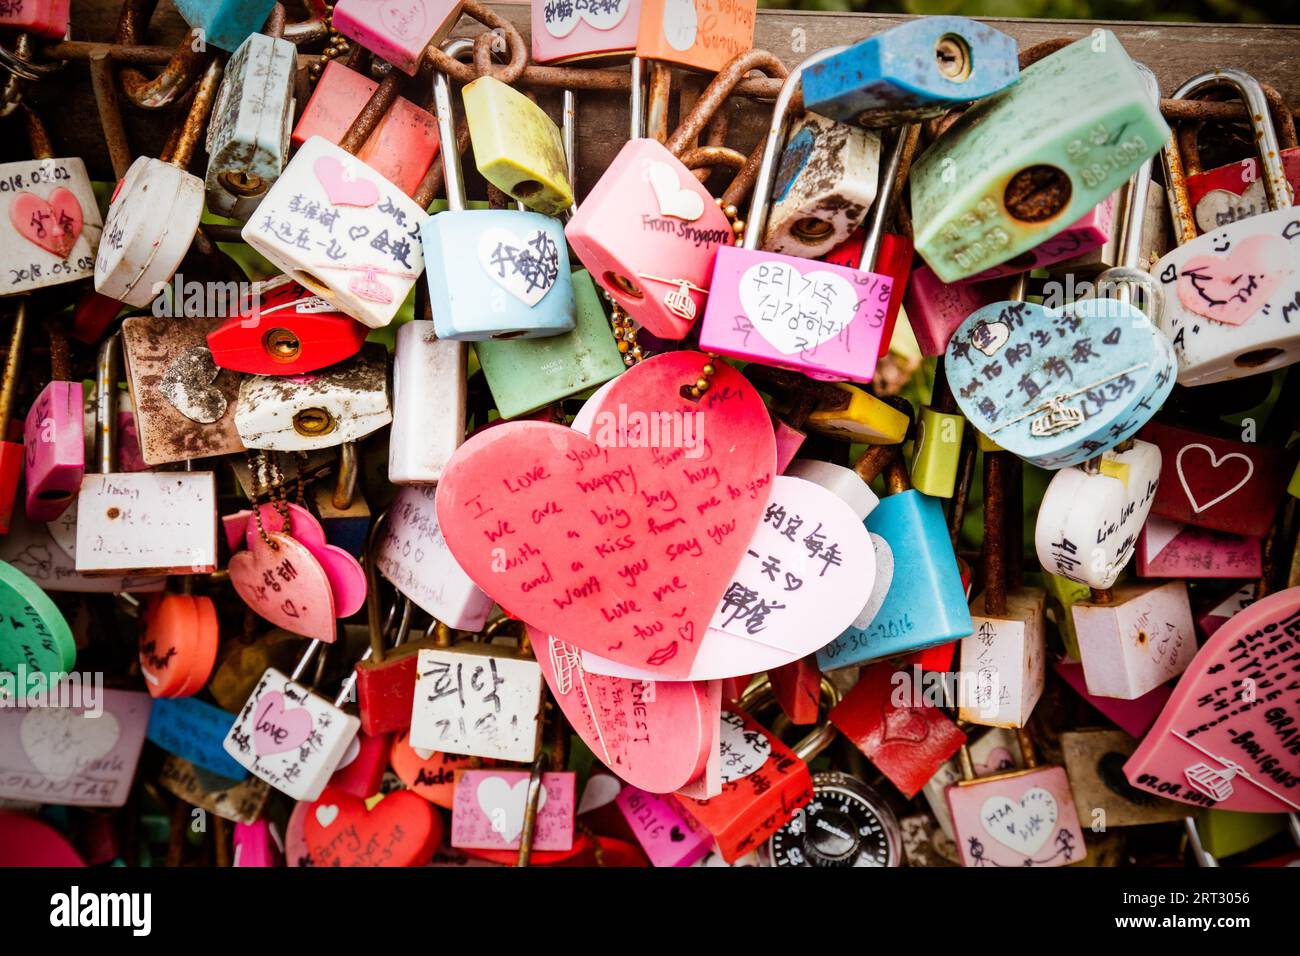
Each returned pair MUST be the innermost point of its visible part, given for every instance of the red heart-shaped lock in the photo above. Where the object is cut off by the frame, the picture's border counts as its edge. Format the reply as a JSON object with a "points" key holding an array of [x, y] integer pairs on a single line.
{"points": [[621, 543], [400, 830]]}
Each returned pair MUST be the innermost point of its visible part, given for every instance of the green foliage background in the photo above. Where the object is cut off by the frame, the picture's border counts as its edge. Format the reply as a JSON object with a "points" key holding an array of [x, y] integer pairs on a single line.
{"points": [[1209, 11]]}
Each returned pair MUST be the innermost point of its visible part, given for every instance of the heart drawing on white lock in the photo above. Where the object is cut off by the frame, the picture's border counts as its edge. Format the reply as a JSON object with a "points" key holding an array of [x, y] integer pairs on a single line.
{"points": [[561, 18], [526, 268], [61, 742], [326, 814], [1023, 826], [503, 805], [796, 311], [1215, 462], [1220, 207], [673, 199]]}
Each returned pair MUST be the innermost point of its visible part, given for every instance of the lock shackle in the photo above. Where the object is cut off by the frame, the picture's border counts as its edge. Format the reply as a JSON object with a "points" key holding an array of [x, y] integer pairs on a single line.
{"points": [[892, 173], [761, 203], [874, 461], [37, 135], [717, 92], [447, 61], [569, 140], [345, 482], [1188, 139], [1276, 187], [180, 73], [1136, 192], [761, 694], [1027, 754], [444, 107], [275, 22], [108, 365], [180, 144], [374, 613], [313, 27], [349, 682], [376, 108], [13, 356]]}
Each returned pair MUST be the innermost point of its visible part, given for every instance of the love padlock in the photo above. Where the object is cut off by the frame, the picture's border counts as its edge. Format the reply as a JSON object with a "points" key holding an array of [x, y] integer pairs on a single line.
{"points": [[248, 138], [54, 438], [564, 32], [399, 32], [54, 227], [43, 18], [225, 23], [1021, 174], [1227, 293], [693, 34]]}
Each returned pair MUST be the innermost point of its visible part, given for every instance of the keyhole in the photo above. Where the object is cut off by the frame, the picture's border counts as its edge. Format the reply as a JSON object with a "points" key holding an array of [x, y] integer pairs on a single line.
{"points": [[810, 230], [282, 345], [1037, 193], [1256, 357], [625, 285], [242, 183], [952, 56], [313, 422], [1141, 638], [525, 188]]}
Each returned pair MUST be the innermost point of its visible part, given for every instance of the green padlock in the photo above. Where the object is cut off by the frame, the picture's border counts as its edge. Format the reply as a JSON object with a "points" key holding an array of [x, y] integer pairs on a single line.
{"points": [[1063, 594], [516, 146], [936, 450], [527, 374], [1024, 164], [34, 636]]}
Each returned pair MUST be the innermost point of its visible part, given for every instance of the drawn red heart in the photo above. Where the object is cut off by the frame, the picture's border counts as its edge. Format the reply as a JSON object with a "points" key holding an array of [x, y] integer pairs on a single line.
{"points": [[285, 585], [1226, 737], [401, 830], [342, 186], [54, 224], [621, 543]]}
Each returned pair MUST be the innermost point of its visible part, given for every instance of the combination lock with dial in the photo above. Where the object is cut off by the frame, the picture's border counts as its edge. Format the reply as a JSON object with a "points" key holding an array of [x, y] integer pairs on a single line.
{"points": [[845, 824]]}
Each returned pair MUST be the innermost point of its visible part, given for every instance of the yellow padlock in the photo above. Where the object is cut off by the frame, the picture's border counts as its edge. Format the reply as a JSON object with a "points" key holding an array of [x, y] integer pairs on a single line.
{"points": [[855, 415], [517, 147]]}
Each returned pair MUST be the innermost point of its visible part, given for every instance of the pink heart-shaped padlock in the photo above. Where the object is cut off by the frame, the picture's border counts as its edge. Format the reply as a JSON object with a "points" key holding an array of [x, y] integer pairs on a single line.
{"points": [[54, 224], [621, 543], [283, 583]]}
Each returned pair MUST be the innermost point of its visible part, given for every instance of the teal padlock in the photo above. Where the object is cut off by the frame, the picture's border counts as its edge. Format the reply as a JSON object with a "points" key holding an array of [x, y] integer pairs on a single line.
{"points": [[225, 23], [248, 140], [1024, 164], [527, 374]]}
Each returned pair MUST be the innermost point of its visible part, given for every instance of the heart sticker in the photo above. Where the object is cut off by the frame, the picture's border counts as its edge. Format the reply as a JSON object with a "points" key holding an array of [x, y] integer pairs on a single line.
{"points": [[1023, 825], [525, 267], [624, 544], [673, 200], [504, 805], [62, 742], [796, 311], [1226, 738], [488, 812], [1232, 289], [187, 384], [399, 830], [1218, 483], [342, 185], [561, 18], [278, 729], [285, 585], [54, 224], [680, 23], [654, 734]]}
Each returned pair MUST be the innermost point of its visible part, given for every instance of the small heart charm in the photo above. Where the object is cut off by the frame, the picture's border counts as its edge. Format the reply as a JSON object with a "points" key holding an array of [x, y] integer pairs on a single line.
{"points": [[187, 384], [1231, 289], [674, 200], [54, 224], [342, 185], [346, 576], [285, 585], [526, 268]]}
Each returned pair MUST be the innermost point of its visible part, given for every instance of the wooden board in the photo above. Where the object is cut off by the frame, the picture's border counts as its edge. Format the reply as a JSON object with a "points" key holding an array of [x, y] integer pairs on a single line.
{"points": [[1175, 51]]}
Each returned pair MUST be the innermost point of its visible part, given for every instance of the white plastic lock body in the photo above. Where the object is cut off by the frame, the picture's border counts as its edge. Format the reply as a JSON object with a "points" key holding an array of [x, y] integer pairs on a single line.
{"points": [[429, 386], [343, 231]]}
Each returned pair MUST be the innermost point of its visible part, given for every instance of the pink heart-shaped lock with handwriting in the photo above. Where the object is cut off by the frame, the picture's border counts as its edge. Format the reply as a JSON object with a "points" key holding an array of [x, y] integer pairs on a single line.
{"points": [[654, 734], [279, 579], [621, 543], [1226, 738]]}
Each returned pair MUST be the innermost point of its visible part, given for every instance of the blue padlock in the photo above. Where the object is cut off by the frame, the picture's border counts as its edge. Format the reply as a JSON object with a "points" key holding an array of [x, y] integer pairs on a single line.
{"points": [[924, 601], [225, 23], [194, 730], [1058, 386], [494, 273], [912, 72]]}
